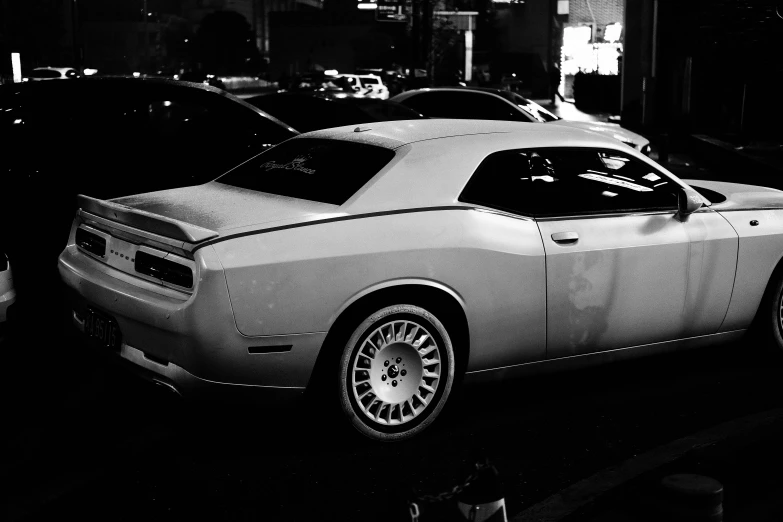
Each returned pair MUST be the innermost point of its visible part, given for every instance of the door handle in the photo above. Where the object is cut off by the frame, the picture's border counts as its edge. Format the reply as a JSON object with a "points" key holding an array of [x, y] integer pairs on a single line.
{"points": [[565, 237]]}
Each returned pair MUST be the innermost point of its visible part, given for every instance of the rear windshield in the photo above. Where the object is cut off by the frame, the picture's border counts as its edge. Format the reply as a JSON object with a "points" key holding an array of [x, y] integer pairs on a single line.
{"points": [[328, 171]]}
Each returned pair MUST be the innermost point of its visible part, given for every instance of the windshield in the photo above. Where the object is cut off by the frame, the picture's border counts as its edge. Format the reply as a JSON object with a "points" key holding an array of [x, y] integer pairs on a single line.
{"points": [[328, 171], [529, 106]]}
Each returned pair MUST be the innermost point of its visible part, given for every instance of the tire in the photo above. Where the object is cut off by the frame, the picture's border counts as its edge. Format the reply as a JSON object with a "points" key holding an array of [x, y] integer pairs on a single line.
{"points": [[773, 315], [396, 373]]}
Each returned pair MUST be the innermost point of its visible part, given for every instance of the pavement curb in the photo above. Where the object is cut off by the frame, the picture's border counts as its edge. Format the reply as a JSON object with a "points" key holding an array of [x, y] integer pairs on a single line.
{"points": [[586, 491]]}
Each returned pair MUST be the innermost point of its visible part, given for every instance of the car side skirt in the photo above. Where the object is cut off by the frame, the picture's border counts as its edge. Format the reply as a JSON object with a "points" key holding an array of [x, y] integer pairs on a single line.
{"points": [[594, 359]]}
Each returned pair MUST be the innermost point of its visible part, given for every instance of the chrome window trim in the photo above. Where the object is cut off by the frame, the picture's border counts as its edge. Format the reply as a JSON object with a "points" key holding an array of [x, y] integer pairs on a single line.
{"points": [[599, 215], [506, 213]]}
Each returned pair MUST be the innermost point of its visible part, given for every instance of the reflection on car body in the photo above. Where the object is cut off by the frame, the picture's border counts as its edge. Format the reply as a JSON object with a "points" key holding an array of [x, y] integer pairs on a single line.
{"points": [[448, 248]]}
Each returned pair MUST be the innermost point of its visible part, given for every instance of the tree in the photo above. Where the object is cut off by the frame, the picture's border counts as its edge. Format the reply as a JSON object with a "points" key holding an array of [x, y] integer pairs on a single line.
{"points": [[225, 44]]}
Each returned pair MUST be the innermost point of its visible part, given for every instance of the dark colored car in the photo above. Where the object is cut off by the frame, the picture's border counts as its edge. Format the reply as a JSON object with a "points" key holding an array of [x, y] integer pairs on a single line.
{"points": [[109, 137], [204, 78], [312, 112]]}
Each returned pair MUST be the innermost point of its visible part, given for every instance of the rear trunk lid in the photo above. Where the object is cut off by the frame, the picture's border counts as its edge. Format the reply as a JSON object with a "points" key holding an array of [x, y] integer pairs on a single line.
{"points": [[201, 213]]}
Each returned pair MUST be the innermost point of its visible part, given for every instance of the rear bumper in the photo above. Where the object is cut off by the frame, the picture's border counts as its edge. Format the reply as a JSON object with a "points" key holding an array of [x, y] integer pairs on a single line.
{"points": [[190, 346], [179, 381]]}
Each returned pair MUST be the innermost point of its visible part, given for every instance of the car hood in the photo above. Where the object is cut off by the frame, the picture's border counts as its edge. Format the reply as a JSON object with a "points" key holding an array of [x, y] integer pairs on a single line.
{"points": [[738, 196], [227, 209], [606, 129]]}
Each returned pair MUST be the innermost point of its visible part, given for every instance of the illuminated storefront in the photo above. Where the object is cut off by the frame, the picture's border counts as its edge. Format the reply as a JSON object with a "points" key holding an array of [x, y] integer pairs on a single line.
{"points": [[592, 54]]}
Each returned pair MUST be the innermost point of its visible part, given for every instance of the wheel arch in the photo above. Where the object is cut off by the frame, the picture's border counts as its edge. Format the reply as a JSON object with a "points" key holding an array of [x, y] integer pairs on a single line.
{"points": [[439, 299], [766, 296]]}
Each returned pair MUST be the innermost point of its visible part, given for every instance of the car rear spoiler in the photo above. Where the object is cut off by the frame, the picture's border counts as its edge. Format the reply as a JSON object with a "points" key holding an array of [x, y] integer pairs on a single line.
{"points": [[140, 219]]}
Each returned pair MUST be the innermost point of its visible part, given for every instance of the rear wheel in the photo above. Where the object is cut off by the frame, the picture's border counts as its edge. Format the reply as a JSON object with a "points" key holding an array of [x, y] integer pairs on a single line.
{"points": [[396, 372]]}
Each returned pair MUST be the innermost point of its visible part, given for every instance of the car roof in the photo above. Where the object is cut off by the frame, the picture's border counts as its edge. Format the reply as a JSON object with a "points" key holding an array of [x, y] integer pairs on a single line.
{"points": [[438, 156], [395, 134], [489, 90]]}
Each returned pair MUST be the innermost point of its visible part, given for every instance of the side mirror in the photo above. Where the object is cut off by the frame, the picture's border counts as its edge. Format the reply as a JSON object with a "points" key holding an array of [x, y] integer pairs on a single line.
{"points": [[688, 202]]}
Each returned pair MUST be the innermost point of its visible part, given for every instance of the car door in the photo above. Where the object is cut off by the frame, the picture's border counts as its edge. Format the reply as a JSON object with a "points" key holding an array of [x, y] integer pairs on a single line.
{"points": [[623, 269]]}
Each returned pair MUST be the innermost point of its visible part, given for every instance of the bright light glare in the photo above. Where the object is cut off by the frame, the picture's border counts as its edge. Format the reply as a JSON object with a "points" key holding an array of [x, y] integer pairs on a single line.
{"points": [[576, 36], [330, 72], [367, 6], [90, 72], [612, 32], [136, 74]]}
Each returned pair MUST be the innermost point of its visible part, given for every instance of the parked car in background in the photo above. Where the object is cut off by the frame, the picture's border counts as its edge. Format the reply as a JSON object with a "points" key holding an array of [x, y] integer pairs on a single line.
{"points": [[378, 266], [7, 292], [51, 73], [110, 137], [369, 85], [308, 112], [201, 77], [376, 87], [498, 104]]}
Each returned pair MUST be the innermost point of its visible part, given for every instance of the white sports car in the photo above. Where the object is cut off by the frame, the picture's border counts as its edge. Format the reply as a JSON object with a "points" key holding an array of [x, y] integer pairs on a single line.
{"points": [[385, 262]]}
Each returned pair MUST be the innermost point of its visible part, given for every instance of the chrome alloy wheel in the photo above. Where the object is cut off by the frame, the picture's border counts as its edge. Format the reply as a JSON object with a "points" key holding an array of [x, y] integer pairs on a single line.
{"points": [[396, 372]]}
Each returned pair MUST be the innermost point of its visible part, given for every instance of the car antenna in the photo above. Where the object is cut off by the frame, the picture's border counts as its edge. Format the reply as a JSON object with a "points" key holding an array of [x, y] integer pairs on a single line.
{"points": [[359, 129]]}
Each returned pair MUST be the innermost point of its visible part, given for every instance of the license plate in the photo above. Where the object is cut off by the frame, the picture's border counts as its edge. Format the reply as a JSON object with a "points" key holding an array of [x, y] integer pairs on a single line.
{"points": [[102, 328]]}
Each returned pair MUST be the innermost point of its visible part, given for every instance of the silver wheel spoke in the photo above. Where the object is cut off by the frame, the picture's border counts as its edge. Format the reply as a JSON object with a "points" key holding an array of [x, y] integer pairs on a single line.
{"points": [[397, 363]]}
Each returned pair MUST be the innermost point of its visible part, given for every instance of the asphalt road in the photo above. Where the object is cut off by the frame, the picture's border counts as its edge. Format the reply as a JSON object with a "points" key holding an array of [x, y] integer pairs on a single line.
{"points": [[100, 445]]}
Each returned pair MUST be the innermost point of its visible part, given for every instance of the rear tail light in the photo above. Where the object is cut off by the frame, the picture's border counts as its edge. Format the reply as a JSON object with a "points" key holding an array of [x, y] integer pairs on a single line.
{"points": [[90, 242], [166, 270]]}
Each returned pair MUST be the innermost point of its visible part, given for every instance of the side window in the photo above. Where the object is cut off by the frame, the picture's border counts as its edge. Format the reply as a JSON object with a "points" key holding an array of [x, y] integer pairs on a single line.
{"points": [[502, 181], [478, 106], [432, 104], [468, 105], [560, 181], [593, 181]]}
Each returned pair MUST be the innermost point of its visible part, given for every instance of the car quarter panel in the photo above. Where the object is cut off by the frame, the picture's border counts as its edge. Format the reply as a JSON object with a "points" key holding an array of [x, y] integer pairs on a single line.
{"points": [[296, 280], [760, 250], [196, 333]]}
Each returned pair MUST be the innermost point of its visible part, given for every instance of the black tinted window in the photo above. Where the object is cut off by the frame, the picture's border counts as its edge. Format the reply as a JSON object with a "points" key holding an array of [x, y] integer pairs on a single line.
{"points": [[308, 113], [467, 105], [557, 181], [329, 171], [379, 110]]}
